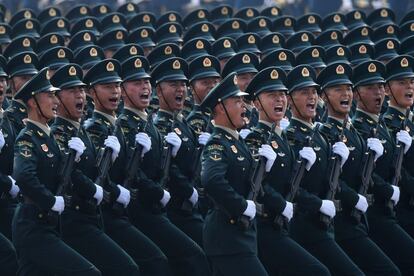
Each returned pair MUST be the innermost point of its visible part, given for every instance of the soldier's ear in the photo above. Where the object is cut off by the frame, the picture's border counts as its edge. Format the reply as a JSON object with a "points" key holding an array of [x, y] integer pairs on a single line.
{"points": [[387, 88]]}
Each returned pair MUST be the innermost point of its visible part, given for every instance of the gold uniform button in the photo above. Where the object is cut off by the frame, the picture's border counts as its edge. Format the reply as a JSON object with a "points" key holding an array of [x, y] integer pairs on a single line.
{"points": [[77, 207], [40, 216], [282, 165], [319, 159]]}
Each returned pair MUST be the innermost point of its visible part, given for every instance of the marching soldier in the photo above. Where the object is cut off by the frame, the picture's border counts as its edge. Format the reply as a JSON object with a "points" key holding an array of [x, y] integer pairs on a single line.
{"points": [[36, 164], [103, 82], [82, 227], [306, 227], [185, 257], [169, 78], [351, 232], [400, 90], [384, 230], [226, 171], [279, 253]]}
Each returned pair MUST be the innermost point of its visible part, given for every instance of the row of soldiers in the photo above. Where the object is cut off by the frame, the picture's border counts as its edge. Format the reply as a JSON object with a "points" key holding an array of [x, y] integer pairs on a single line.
{"points": [[290, 157]]}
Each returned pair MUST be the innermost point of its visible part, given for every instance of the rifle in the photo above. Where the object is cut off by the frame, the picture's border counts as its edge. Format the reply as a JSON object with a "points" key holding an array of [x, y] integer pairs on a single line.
{"points": [[399, 156], [167, 157], [281, 221], [366, 178], [256, 184], [325, 220]]}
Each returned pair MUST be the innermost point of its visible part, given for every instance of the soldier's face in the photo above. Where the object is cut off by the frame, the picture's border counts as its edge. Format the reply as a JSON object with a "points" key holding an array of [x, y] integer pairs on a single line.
{"points": [[147, 50], [74, 99], [201, 87], [19, 81], [236, 110], [137, 93], [3, 87], [339, 99], [48, 104], [370, 97], [244, 79], [303, 103], [106, 96], [172, 95], [272, 105], [401, 92]]}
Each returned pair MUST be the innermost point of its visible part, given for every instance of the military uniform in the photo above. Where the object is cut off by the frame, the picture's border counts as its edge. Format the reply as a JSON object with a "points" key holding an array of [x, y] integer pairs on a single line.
{"points": [[117, 225], [37, 160], [226, 171], [384, 229]]}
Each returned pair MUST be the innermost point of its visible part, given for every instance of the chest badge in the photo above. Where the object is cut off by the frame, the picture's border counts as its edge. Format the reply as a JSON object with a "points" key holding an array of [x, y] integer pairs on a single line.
{"points": [[240, 158], [177, 130], [215, 157], [275, 145], [351, 148], [40, 133], [45, 148], [303, 129], [407, 129], [50, 155], [317, 148], [281, 154], [185, 139], [383, 141], [344, 139], [233, 148]]}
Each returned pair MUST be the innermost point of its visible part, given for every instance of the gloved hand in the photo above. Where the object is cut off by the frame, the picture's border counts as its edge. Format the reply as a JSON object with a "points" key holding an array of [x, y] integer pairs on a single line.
{"points": [[2, 141], [362, 203], [98, 194], [14, 190], [165, 198], [404, 137], [175, 141], [77, 145], [113, 143], [250, 209], [288, 211], [244, 132], [267, 152], [328, 208], [124, 196], [375, 145], [203, 138], [194, 197], [395, 194], [284, 123], [145, 141], [309, 155], [59, 205], [342, 150]]}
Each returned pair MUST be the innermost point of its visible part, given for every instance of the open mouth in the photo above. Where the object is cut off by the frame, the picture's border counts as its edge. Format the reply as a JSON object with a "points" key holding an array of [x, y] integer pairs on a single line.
{"points": [[345, 103], [79, 106], [409, 95], [114, 100], [378, 101], [144, 96], [278, 109], [311, 106], [54, 109], [179, 99]]}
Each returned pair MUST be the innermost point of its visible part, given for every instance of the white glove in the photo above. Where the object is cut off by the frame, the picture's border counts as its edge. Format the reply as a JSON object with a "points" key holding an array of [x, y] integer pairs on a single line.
{"points": [[375, 145], [404, 137], [250, 209], [244, 132], [144, 140], [288, 211], [14, 190], [346, 6], [362, 203], [284, 123], [165, 198], [113, 143], [267, 152], [309, 155], [194, 197], [175, 141], [342, 150], [124, 196], [59, 205], [328, 208], [203, 138], [2, 141], [98, 194], [77, 145], [395, 194]]}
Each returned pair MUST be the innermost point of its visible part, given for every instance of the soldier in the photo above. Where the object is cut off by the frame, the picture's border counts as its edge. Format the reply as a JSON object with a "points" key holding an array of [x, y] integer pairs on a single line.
{"points": [[103, 81], [82, 227], [185, 257], [351, 233], [384, 230], [36, 163], [306, 227], [400, 89], [226, 170], [20, 69], [170, 81], [279, 253]]}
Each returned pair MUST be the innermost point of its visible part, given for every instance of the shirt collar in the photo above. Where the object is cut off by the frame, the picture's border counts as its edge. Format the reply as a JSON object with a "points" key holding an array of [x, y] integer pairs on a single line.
{"points": [[230, 131], [74, 123], [399, 109], [311, 126], [371, 115], [142, 114], [278, 130], [44, 128], [110, 118]]}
